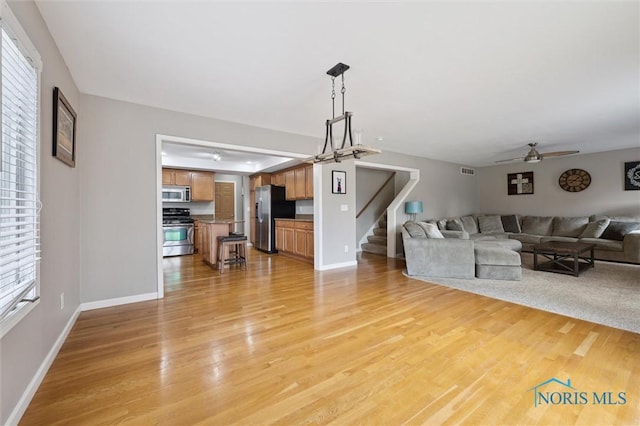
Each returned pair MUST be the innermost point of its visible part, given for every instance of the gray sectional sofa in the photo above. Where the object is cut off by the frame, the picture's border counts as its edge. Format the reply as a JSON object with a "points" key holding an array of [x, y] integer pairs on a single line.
{"points": [[430, 252], [616, 238]]}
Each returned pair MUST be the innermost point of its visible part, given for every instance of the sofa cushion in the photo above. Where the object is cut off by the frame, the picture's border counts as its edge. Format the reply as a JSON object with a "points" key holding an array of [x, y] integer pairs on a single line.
{"points": [[617, 230], [496, 256], [569, 226], [537, 225], [558, 238], [510, 244], [431, 230], [601, 244], [595, 229], [454, 225], [490, 224], [510, 223], [596, 217], [470, 225], [483, 237], [461, 235], [442, 224], [415, 230], [526, 238]]}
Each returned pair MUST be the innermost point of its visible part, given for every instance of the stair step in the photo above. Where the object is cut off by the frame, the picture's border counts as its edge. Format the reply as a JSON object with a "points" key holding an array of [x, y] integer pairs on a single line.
{"points": [[377, 239], [380, 231], [382, 223], [374, 248]]}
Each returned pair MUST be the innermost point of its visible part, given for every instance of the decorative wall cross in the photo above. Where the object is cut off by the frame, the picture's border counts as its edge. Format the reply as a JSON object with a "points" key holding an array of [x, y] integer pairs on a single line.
{"points": [[520, 183]]}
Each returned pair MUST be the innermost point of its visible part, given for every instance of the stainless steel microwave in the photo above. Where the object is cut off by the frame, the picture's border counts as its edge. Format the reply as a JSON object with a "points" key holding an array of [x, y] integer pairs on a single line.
{"points": [[176, 194]]}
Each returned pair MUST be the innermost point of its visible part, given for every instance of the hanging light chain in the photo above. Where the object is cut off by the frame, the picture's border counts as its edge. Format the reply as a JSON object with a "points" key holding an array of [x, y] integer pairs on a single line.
{"points": [[343, 90], [333, 97]]}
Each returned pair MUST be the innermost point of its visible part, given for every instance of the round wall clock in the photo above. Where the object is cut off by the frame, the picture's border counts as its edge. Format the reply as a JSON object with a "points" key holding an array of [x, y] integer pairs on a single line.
{"points": [[574, 180]]}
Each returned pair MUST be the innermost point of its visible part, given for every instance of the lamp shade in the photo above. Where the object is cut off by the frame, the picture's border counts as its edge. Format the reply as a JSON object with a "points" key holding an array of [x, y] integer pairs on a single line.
{"points": [[413, 207]]}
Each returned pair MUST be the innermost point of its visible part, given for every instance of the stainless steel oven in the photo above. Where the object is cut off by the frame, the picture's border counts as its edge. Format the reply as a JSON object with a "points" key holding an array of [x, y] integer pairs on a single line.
{"points": [[177, 232]]}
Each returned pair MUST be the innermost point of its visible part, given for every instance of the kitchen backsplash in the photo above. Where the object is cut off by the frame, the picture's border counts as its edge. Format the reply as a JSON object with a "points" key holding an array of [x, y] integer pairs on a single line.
{"points": [[304, 207], [196, 207]]}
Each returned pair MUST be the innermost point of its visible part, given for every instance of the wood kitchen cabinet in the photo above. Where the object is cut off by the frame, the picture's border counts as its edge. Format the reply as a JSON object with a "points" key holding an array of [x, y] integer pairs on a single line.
{"points": [[197, 236], [309, 181], [259, 179], [202, 186], [176, 177], [201, 183], [290, 184], [295, 238], [299, 183], [278, 179]]}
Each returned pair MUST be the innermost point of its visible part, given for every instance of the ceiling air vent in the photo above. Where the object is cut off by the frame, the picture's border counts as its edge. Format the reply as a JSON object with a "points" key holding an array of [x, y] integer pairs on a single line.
{"points": [[467, 171]]}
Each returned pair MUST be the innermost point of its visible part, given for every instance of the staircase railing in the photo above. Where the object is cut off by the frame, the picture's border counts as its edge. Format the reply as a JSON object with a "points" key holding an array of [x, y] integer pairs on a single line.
{"points": [[368, 203]]}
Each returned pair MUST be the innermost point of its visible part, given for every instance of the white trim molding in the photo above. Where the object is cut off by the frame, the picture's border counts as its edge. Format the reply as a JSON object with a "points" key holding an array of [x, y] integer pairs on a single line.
{"points": [[107, 303], [30, 391], [392, 210], [337, 265]]}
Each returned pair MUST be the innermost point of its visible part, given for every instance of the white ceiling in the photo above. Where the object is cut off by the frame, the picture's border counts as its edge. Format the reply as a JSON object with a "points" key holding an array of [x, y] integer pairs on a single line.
{"points": [[468, 82]]}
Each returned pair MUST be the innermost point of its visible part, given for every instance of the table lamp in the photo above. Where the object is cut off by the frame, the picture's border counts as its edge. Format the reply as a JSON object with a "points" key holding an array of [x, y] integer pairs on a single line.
{"points": [[412, 208]]}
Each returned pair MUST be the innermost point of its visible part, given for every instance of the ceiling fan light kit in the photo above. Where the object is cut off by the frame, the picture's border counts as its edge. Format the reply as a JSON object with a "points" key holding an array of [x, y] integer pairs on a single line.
{"points": [[331, 153]]}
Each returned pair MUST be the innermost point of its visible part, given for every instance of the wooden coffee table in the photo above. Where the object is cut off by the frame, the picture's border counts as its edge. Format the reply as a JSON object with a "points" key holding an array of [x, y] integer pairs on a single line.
{"points": [[563, 257]]}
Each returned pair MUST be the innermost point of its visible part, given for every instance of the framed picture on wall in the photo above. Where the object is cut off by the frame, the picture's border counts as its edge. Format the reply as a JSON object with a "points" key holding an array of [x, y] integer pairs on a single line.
{"points": [[64, 129], [632, 176], [520, 183], [338, 182]]}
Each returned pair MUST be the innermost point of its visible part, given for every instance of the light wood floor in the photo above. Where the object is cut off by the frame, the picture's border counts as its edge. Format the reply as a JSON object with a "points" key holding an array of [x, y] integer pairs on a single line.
{"points": [[284, 344]]}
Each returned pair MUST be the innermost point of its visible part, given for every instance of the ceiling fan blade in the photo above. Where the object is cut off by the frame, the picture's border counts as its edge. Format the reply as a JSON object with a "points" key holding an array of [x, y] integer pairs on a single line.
{"points": [[557, 154], [510, 159]]}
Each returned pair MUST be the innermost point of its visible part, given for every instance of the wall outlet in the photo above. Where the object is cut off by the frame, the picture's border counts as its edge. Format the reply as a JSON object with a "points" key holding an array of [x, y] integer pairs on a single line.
{"points": [[62, 300], [346, 249], [344, 207]]}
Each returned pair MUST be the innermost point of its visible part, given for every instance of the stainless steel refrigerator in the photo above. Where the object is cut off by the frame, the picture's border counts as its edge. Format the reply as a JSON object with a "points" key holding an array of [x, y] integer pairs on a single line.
{"points": [[270, 204]]}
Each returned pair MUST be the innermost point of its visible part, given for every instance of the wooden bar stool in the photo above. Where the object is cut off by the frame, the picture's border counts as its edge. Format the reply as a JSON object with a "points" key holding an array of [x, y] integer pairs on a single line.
{"points": [[232, 250]]}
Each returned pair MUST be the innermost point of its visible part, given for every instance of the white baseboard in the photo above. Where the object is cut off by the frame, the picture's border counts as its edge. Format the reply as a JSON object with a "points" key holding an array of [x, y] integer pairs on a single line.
{"points": [[337, 265], [98, 304], [37, 379]]}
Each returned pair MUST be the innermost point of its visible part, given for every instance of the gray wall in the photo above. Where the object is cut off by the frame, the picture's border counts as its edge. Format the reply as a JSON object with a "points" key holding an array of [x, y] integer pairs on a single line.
{"points": [[606, 193], [25, 347], [119, 141], [443, 190], [338, 227]]}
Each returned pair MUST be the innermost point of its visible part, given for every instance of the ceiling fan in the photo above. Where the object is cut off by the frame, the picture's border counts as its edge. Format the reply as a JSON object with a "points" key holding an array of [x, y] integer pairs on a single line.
{"points": [[535, 157]]}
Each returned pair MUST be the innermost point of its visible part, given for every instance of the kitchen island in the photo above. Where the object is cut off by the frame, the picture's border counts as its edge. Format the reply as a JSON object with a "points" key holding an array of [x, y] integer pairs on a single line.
{"points": [[209, 231]]}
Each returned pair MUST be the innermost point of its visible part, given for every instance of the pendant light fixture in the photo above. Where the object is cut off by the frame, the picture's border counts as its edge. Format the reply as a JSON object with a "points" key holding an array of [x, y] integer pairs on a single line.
{"points": [[334, 150]]}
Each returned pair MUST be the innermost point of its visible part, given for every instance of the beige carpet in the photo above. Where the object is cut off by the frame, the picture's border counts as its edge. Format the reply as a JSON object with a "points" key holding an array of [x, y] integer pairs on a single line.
{"points": [[607, 294]]}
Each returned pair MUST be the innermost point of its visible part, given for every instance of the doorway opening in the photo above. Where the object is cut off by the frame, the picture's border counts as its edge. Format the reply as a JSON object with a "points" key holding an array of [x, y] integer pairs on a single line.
{"points": [[221, 158]]}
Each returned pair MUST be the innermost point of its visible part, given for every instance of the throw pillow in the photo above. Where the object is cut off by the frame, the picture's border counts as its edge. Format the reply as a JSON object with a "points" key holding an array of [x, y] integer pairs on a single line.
{"points": [[415, 230], [537, 225], [511, 224], [442, 224], [431, 230], [469, 224], [490, 224], [455, 225], [595, 229], [617, 230]]}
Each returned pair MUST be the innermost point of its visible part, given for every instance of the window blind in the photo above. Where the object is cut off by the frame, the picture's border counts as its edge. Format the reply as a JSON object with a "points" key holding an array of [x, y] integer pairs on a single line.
{"points": [[19, 204]]}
